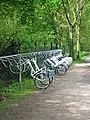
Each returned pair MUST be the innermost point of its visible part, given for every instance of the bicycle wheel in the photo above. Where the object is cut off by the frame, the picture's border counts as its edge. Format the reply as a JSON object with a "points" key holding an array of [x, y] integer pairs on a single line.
{"points": [[51, 79], [42, 81], [26, 67], [14, 67], [65, 65], [61, 70]]}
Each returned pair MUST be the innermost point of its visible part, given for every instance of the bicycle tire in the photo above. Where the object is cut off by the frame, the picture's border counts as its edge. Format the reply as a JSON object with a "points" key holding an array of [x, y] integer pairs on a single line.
{"points": [[41, 83], [61, 70], [13, 67]]}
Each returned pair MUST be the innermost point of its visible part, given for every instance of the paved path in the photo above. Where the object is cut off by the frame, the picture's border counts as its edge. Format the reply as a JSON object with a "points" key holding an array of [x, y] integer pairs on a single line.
{"points": [[68, 98]]}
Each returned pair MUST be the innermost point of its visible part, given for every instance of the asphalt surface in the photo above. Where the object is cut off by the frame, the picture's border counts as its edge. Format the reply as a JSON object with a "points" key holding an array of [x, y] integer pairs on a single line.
{"points": [[67, 98]]}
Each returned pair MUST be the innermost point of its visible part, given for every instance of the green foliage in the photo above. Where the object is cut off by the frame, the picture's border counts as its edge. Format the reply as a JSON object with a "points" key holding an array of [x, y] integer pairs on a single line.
{"points": [[13, 94], [28, 20], [14, 88], [85, 29], [39, 20], [81, 55]]}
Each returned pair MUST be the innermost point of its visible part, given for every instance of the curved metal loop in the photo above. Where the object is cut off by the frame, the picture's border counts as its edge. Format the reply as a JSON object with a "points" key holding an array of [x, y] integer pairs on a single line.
{"points": [[14, 64]]}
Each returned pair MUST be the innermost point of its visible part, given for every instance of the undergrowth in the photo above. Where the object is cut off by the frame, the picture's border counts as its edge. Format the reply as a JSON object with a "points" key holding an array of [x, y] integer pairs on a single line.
{"points": [[12, 94], [81, 59]]}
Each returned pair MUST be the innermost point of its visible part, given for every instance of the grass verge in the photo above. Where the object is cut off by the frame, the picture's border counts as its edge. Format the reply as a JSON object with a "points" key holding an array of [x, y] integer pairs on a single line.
{"points": [[12, 94]]}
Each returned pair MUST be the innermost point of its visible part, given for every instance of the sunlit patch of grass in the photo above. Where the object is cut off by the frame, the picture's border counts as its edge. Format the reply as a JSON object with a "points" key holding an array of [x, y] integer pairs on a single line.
{"points": [[79, 61], [82, 57]]}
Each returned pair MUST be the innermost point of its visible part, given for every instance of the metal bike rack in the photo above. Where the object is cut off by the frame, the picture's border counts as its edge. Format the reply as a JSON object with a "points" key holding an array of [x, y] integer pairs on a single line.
{"points": [[17, 63]]}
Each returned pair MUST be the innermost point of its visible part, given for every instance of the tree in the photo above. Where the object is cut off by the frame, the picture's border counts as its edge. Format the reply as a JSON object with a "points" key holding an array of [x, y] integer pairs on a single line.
{"points": [[72, 11]]}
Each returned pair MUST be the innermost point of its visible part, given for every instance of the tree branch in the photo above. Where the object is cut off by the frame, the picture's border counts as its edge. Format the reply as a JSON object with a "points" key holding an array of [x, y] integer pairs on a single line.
{"points": [[66, 13]]}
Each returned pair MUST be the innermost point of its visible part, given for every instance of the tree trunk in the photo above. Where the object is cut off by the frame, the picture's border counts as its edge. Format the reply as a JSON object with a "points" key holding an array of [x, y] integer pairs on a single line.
{"points": [[78, 40], [59, 37], [78, 29], [71, 51]]}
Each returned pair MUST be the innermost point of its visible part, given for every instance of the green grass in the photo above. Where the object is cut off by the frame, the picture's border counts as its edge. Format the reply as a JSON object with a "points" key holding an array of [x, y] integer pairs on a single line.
{"points": [[81, 59], [13, 93]]}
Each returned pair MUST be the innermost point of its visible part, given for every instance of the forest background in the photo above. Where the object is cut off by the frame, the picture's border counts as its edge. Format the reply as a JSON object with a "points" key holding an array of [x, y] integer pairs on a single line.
{"points": [[48, 23]]}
